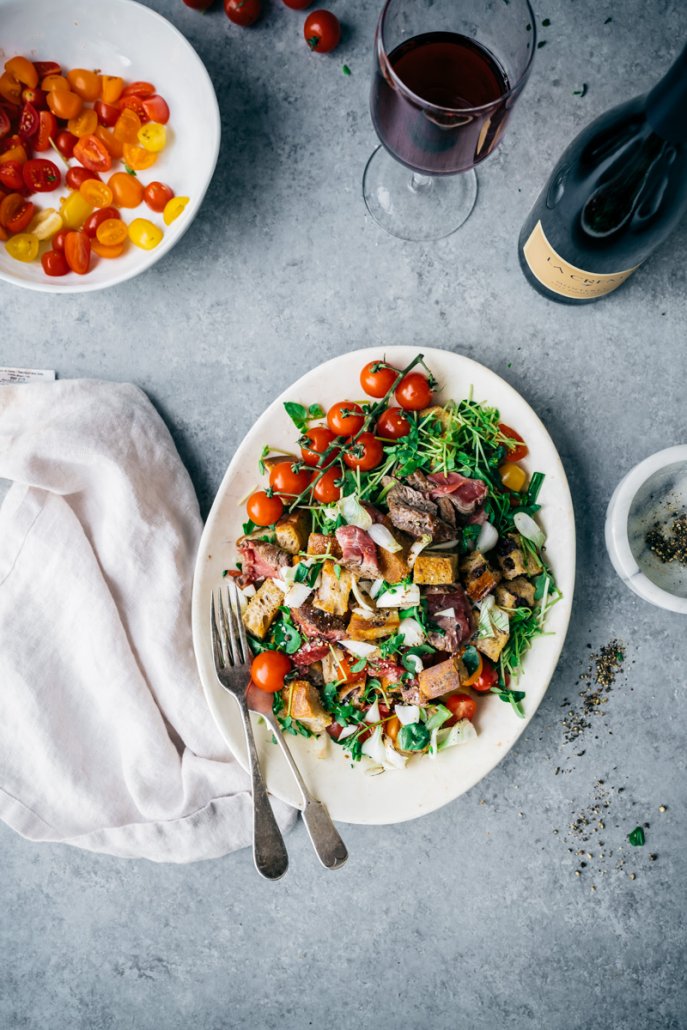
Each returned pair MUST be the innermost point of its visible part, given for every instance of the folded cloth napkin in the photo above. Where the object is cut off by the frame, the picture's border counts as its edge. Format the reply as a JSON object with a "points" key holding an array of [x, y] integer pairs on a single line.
{"points": [[106, 741]]}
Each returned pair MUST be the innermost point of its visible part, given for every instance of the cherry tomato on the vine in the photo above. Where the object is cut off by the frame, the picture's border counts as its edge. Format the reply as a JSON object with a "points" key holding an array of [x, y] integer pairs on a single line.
{"points": [[392, 424], [377, 378], [326, 489], [366, 453], [461, 707], [414, 392], [315, 443], [263, 509], [520, 450], [285, 480], [242, 12], [268, 670], [298, 5], [322, 31], [345, 418]]}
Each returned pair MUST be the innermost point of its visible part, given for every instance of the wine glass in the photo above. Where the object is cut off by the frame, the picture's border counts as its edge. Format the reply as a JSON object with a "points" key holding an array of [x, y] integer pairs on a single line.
{"points": [[447, 74]]}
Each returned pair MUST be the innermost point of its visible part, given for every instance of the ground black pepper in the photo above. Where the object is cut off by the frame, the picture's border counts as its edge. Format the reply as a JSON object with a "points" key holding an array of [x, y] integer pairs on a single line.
{"points": [[673, 547], [599, 678]]}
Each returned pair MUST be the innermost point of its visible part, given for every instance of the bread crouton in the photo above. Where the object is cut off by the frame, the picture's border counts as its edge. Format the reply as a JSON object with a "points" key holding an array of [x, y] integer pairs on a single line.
{"points": [[477, 576], [394, 566], [438, 413], [493, 646], [510, 556], [517, 593], [383, 623], [302, 702], [434, 569], [261, 610], [323, 543], [334, 590], [292, 531], [441, 679]]}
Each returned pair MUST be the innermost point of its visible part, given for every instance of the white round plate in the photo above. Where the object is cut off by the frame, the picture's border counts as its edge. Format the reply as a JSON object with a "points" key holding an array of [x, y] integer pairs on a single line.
{"points": [[425, 784], [124, 38]]}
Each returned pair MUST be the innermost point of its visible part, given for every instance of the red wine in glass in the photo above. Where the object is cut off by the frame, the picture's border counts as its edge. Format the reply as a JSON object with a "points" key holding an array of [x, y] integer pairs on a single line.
{"points": [[449, 73]]}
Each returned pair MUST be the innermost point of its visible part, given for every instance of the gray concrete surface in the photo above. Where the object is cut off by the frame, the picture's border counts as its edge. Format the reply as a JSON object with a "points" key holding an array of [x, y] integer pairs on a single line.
{"points": [[472, 917]]}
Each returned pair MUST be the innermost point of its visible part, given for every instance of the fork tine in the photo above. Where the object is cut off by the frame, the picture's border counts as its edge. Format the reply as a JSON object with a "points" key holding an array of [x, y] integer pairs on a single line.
{"points": [[216, 644], [236, 608], [224, 631], [232, 643]]}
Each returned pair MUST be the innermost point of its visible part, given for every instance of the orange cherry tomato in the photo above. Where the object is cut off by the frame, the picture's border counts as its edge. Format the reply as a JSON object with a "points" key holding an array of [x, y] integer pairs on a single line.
{"points": [[366, 453], [520, 450], [103, 251], [112, 87], [85, 82], [96, 192], [126, 189], [16, 212], [326, 489], [77, 251], [345, 418], [286, 480], [157, 195], [264, 510], [461, 706], [114, 146], [392, 424], [10, 89], [84, 124], [127, 126], [377, 378], [15, 153], [92, 153], [112, 232], [139, 89], [314, 443], [268, 670], [54, 81], [138, 158], [64, 104], [488, 677], [414, 392], [95, 220], [391, 727], [23, 70]]}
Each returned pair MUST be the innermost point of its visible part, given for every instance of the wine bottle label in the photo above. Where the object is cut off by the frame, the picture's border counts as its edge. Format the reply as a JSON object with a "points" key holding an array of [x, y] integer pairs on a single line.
{"points": [[559, 276]]}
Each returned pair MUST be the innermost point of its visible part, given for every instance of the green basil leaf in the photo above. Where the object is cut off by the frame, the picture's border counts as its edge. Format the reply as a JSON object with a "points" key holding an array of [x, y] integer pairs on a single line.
{"points": [[297, 413]]}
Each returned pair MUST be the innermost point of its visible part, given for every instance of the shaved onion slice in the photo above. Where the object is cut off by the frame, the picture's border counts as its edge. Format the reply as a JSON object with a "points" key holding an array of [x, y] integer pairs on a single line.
{"points": [[384, 538], [446, 546], [297, 595], [374, 747], [372, 714], [358, 594], [248, 591], [407, 714], [487, 539], [527, 527], [376, 587], [413, 633], [360, 648], [416, 547], [354, 513], [364, 613], [347, 731], [392, 757], [415, 661], [447, 613]]}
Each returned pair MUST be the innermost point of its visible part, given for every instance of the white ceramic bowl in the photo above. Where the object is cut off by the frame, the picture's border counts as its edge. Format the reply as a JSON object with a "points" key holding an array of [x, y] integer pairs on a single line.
{"points": [[646, 495], [121, 38]]}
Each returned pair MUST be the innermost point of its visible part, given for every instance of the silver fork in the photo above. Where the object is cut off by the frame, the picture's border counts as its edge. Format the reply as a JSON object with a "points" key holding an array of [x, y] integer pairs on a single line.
{"points": [[232, 664]]}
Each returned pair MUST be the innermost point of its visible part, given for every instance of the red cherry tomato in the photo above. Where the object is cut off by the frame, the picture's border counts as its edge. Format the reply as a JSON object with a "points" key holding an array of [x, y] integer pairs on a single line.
{"points": [[461, 707], [54, 263], [263, 510], [322, 31], [345, 418], [58, 240], [90, 226], [134, 104], [157, 195], [11, 176], [377, 378], [45, 68], [298, 5], [5, 123], [47, 130], [414, 392], [16, 212], [93, 154], [392, 424], [326, 489], [138, 89], [107, 113], [41, 175], [156, 108], [28, 122], [366, 453], [521, 450], [268, 670], [242, 12], [65, 143], [285, 480], [487, 678], [315, 443], [199, 5], [77, 251], [77, 175]]}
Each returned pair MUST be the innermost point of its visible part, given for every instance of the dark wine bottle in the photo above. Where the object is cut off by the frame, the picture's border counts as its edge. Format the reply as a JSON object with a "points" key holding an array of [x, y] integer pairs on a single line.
{"points": [[615, 195]]}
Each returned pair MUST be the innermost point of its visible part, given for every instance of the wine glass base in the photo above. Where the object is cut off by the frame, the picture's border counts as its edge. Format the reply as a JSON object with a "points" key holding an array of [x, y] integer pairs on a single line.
{"points": [[413, 206]]}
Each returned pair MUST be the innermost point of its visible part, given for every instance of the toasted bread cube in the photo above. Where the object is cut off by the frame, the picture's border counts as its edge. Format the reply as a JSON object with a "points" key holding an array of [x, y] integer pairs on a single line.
{"points": [[441, 679], [517, 593], [334, 590], [532, 564], [383, 623], [323, 543], [434, 569], [393, 565], [292, 531], [437, 412], [302, 702], [478, 576], [493, 646], [510, 556], [261, 610]]}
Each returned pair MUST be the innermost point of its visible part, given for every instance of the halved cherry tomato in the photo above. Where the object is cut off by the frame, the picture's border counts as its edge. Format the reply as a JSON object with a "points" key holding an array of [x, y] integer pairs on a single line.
{"points": [[113, 145], [46, 223], [461, 707], [45, 68], [285, 480], [268, 670], [112, 88], [326, 489], [126, 189], [414, 392], [322, 31], [391, 727], [84, 82], [392, 424], [157, 195], [16, 212], [14, 153], [23, 70], [5, 123], [242, 12], [139, 89], [145, 234], [65, 142], [33, 96], [138, 158], [11, 175], [111, 232], [520, 450], [103, 251], [107, 113], [41, 175], [366, 453], [77, 251], [77, 175], [156, 108], [47, 130], [314, 443], [54, 263], [93, 154], [487, 678], [345, 418], [263, 509], [134, 104], [58, 240], [377, 378], [64, 104], [28, 121], [84, 124], [10, 89], [153, 137], [104, 214], [96, 193], [513, 476], [173, 208], [127, 126], [52, 82], [75, 209], [23, 246]]}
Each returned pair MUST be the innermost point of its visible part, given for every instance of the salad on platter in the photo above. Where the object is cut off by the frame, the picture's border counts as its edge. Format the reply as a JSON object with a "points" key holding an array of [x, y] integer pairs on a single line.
{"points": [[391, 572]]}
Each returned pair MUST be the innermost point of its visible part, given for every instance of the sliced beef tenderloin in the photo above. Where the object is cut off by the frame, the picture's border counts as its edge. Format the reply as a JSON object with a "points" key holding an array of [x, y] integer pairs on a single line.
{"points": [[312, 651], [358, 551], [456, 624], [319, 625], [417, 515], [261, 560], [465, 494], [446, 510]]}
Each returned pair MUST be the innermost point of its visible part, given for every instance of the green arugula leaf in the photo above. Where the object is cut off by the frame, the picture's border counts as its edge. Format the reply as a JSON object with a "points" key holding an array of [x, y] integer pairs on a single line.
{"points": [[286, 635]]}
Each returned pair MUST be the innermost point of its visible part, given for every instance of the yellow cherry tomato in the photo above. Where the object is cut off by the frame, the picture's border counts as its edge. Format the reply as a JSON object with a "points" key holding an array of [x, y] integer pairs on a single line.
{"points": [[75, 209], [84, 124], [144, 233], [152, 136], [46, 223], [97, 193], [112, 88], [138, 158], [112, 232], [173, 209], [513, 476], [23, 247], [476, 674]]}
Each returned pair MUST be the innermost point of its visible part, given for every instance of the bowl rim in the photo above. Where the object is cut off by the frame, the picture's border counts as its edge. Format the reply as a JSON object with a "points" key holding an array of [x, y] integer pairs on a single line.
{"points": [[617, 536]]}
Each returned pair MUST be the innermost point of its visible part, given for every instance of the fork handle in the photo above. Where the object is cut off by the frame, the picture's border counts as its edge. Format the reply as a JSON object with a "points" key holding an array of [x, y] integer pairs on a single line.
{"points": [[269, 850]]}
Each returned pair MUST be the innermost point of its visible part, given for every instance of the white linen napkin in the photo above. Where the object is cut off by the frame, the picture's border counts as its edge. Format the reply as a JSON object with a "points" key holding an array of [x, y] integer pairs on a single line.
{"points": [[106, 741]]}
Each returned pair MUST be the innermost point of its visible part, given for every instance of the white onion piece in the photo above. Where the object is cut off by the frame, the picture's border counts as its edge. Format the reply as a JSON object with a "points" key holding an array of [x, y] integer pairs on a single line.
{"points": [[364, 613], [248, 591], [413, 633], [487, 539], [446, 546], [392, 758], [374, 747], [415, 661], [384, 538], [527, 527], [297, 595], [399, 596], [372, 714], [407, 714], [360, 648], [447, 613], [354, 513], [347, 731], [358, 594], [416, 547], [376, 587]]}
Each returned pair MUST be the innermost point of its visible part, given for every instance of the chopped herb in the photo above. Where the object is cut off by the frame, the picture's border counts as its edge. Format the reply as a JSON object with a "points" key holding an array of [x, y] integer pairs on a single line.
{"points": [[511, 697], [581, 92], [249, 527], [337, 571], [637, 838], [346, 70], [130, 171], [541, 43], [546, 22], [359, 665], [608, 21], [263, 454], [306, 573], [285, 634]]}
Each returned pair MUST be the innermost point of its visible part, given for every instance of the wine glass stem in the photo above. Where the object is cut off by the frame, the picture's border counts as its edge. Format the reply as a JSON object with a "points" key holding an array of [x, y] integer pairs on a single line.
{"points": [[420, 183]]}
